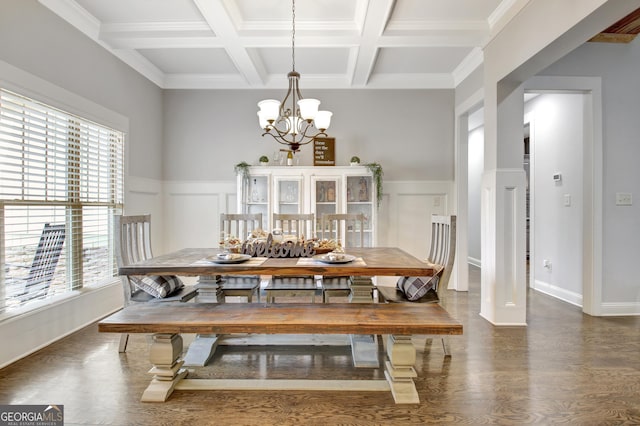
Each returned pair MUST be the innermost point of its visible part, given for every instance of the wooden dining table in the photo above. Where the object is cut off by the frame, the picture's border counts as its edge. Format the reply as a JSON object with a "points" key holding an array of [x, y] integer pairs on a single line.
{"points": [[370, 261]]}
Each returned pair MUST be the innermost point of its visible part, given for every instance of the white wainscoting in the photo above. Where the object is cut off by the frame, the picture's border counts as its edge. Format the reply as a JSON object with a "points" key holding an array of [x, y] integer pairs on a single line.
{"points": [[36, 328], [192, 212], [404, 216]]}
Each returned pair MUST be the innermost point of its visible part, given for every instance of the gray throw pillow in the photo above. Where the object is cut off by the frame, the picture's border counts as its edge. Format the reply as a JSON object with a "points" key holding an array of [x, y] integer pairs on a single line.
{"points": [[416, 287], [159, 286]]}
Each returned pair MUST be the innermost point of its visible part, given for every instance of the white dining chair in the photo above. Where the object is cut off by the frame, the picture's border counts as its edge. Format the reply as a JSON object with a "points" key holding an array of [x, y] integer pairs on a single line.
{"points": [[348, 230], [132, 245]]}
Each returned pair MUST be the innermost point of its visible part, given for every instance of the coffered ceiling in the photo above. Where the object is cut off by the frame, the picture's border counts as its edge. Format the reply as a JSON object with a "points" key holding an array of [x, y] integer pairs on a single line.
{"points": [[247, 43]]}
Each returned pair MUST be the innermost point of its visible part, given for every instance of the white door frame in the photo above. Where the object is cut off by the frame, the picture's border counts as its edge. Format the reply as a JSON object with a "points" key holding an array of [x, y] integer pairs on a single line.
{"points": [[460, 277], [592, 176]]}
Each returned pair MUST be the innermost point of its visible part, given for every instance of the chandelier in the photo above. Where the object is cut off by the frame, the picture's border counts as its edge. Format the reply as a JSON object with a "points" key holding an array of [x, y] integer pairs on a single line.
{"points": [[298, 122]]}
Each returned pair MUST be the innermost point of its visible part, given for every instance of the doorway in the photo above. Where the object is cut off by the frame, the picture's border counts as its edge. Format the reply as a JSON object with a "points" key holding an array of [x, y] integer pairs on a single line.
{"points": [[561, 230]]}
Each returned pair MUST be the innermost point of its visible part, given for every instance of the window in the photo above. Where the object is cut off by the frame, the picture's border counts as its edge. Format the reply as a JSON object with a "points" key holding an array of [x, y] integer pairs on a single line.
{"points": [[60, 169]]}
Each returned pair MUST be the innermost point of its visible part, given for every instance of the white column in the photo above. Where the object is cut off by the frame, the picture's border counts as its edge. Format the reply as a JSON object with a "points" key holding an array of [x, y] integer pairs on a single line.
{"points": [[503, 283]]}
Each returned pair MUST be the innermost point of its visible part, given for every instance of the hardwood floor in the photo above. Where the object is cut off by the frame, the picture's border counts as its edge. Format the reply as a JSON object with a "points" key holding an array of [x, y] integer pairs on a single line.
{"points": [[563, 368]]}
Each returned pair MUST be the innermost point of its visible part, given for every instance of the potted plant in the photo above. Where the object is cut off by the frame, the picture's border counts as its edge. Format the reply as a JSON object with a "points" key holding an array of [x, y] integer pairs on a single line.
{"points": [[355, 160], [264, 160]]}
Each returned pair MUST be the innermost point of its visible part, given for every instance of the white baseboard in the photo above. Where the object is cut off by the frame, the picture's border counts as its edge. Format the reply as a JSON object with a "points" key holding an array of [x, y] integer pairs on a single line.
{"points": [[620, 309], [559, 293]]}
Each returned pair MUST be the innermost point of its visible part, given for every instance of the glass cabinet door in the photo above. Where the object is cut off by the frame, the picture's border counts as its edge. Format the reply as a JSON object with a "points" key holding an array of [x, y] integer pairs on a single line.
{"points": [[360, 200], [257, 197], [325, 196], [288, 192]]}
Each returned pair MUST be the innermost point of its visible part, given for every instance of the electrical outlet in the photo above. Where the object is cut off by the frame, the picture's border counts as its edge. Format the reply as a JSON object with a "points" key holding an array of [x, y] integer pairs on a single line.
{"points": [[624, 199], [547, 264]]}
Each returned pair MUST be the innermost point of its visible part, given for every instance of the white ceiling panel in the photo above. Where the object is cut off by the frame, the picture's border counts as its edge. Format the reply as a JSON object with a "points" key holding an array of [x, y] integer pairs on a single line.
{"points": [[247, 43], [308, 60], [190, 61], [419, 60], [142, 11]]}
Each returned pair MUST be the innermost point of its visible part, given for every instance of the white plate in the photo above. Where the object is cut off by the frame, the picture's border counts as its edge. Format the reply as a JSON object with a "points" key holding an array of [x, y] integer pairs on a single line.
{"points": [[341, 258], [235, 258]]}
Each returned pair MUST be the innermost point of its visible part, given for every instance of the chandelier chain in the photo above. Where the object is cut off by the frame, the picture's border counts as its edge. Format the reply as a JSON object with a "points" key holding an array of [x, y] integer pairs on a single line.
{"points": [[293, 35]]}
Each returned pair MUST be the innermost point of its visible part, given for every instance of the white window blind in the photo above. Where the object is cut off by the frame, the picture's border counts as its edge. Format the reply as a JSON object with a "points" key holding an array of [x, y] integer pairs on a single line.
{"points": [[60, 169]]}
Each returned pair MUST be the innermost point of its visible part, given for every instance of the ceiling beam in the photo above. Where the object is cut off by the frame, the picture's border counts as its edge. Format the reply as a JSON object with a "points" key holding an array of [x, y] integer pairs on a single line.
{"points": [[378, 14], [221, 24]]}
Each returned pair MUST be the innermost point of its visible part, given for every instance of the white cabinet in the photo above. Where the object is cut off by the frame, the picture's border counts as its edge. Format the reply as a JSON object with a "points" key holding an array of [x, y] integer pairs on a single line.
{"points": [[302, 189]]}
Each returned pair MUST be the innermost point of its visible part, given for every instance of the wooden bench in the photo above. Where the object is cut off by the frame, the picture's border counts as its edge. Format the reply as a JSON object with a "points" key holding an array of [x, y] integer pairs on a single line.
{"points": [[167, 321]]}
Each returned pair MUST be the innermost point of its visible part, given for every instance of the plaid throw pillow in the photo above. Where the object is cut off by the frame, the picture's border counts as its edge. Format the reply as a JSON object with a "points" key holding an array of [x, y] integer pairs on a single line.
{"points": [[159, 286], [416, 287]]}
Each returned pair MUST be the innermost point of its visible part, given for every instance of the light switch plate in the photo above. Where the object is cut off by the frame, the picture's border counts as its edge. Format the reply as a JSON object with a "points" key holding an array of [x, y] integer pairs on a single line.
{"points": [[624, 199], [567, 200]]}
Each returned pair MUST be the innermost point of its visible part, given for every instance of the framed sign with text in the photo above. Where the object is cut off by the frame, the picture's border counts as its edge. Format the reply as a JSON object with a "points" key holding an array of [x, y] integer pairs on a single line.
{"points": [[324, 152]]}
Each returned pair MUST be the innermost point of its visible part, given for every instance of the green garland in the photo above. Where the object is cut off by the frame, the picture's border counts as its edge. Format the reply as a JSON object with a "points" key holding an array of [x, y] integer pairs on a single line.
{"points": [[376, 171], [243, 170]]}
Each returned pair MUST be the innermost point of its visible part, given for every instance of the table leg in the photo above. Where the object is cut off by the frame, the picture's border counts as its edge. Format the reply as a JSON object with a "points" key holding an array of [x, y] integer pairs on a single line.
{"points": [[361, 290], [399, 369], [209, 289], [167, 371], [364, 348]]}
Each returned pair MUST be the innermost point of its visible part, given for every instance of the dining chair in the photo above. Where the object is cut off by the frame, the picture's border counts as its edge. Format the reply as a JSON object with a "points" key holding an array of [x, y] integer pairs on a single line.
{"points": [[239, 225], [347, 229], [298, 224], [36, 284], [133, 244], [442, 249]]}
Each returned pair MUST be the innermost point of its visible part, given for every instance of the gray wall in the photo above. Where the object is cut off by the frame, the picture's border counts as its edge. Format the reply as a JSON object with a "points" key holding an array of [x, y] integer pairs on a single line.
{"points": [[470, 85], [39, 42], [410, 132], [618, 65]]}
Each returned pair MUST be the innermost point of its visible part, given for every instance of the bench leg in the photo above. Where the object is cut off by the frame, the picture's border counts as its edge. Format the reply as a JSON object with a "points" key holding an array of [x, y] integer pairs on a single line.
{"points": [[124, 339], [399, 369], [164, 354], [201, 350]]}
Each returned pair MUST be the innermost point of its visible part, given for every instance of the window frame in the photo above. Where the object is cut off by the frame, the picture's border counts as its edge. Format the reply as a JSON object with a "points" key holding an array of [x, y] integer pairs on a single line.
{"points": [[73, 206]]}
